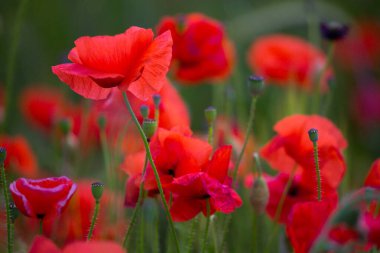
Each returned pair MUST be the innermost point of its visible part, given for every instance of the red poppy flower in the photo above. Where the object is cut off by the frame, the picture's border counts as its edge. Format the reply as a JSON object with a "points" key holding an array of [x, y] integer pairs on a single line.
{"points": [[132, 61], [42, 198], [43, 245], [191, 191], [372, 222], [373, 177], [175, 154], [297, 193], [292, 149], [201, 49], [285, 59], [302, 234], [20, 158]]}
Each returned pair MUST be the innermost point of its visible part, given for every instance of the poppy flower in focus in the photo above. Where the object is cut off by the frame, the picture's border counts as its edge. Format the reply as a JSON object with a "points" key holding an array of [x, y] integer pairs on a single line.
{"points": [[192, 191], [20, 157], [285, 59], [201, 49], [291, 149], [42, 198], [316, 213], [175, 154], [132, 61], [42, 244]]}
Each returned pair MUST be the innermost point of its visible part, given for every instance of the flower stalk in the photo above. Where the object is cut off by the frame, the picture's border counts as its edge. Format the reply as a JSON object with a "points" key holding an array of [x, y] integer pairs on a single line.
{"points": [[156, 175], [313, 135]]}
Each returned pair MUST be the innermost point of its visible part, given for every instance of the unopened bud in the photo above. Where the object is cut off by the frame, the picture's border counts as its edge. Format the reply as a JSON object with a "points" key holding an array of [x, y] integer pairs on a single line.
{"points": [[313, 134], [65, 126], [97, 190], [3, 155], [259, 195], [102, 121], [210, 114], [144, 110], [13, 211], [149, 126], [156, 100], [333, 30], [256, 85]]}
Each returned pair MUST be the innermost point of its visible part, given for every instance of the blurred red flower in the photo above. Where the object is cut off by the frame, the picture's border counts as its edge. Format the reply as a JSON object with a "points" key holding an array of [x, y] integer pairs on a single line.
{"points": [[306, 222], [285, 60], [291, 149], [42, 198], [201, 49], [132, 61], [20, 157], [191, 191], [43, 245], [373, 177]]}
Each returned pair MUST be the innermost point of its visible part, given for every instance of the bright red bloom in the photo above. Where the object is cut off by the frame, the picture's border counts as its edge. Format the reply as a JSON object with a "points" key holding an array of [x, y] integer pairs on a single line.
{"points": [[175, 154], [201, 49], [42, 198], [191, 191], [298, 193], [43, 245], [301, 233], [373, 177], [132, 61], [20, 158], [285, 60], [292, 149]]}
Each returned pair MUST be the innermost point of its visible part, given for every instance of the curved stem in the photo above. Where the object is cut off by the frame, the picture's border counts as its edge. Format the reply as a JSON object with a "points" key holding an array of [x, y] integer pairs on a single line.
{"points": [[247, 133], [93, 220], [205, 237], [157, 177], [8, 211], [317, 171], [138, 205]]}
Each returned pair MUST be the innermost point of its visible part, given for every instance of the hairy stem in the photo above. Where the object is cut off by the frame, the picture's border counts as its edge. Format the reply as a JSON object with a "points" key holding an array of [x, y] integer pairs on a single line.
{"points": [[93, 220]]}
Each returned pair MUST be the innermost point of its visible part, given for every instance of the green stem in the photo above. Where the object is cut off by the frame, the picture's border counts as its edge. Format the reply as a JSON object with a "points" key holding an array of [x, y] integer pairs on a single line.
{"points": [[205, 238], [317, 171], [157, 177], [377, 210], [106, 158], [11, 65], [8, 211], [141, 232], [138, 205], [211, 135], [93, 220], [279, 209], [214, 235], [247, 134], [318, 85], [193, 228]]}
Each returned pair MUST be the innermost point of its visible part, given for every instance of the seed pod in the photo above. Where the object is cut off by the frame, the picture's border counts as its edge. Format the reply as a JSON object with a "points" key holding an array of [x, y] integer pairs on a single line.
{"points": [[259, 195]]}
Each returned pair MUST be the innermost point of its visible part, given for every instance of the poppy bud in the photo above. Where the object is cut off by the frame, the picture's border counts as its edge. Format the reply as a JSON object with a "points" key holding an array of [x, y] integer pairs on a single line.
{"points": [[313, 134], [149, 126], [156, 100], [256, 84], [259, 195], [210, 114], [64, 126], [333, 30], [102, 121], [144, 110], [97, 190], [3, 155], [14, 211]]}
